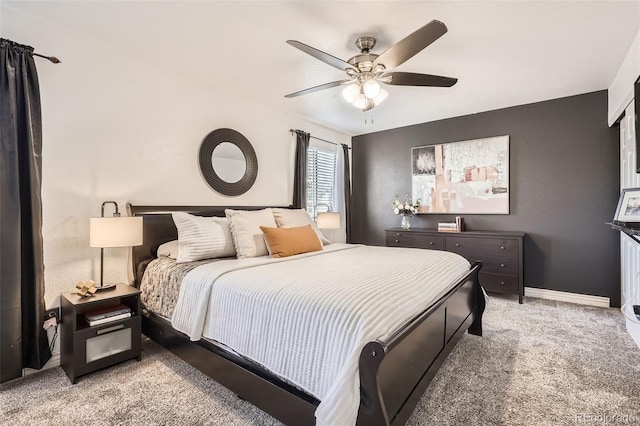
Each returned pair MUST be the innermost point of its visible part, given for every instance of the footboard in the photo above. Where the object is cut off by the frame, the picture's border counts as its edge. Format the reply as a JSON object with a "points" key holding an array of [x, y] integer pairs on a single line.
{"points": [[394, 374]]}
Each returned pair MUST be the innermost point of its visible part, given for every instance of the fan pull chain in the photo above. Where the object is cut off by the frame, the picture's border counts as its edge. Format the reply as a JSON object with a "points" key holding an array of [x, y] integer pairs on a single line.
{"points": [[368, 119]]}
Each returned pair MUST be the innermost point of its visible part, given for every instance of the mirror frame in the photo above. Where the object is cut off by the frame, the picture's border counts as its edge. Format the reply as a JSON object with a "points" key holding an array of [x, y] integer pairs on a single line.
{"points": [[210, 143]]}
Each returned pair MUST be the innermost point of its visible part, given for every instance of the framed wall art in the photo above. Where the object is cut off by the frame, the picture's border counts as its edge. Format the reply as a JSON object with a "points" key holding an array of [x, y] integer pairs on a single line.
{"points": [[628, 210], [467, 177]]}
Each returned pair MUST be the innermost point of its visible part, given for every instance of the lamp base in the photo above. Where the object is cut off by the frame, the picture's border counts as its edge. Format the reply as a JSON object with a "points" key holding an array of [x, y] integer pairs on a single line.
{"points": [[110, 286]]}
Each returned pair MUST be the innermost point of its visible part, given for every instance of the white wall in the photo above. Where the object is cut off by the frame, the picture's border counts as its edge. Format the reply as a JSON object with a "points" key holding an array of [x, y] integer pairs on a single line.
{"points": [[620, 92], [117, 128]]}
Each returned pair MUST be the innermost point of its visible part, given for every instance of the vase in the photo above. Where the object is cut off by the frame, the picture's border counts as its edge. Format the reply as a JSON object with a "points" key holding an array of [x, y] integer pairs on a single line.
{"points": [[405, 223]]}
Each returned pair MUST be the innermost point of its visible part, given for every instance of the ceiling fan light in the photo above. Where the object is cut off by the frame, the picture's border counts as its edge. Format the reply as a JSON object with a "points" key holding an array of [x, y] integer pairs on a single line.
{"points": [[381, 97], [351, 92], [371, 88], [361, 101]]}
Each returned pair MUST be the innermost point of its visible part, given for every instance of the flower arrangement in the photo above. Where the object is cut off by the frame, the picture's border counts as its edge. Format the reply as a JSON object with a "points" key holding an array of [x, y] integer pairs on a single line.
{"points": [[407, 208]]}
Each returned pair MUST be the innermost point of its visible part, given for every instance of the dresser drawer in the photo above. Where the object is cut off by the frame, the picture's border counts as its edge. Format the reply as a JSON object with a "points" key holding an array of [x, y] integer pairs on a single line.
{"points": [[503, 247], [405, 239], [499, 282], [496, 265]]}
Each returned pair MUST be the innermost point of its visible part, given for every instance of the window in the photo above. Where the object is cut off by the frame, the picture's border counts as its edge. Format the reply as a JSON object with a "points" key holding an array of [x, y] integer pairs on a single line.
{"points": [[321, 175]]}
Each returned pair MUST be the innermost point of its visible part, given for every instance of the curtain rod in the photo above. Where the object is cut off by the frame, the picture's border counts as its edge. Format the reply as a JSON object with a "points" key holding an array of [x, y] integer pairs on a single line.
{"points": [[50, 58], [320, 139], [29, 50]]}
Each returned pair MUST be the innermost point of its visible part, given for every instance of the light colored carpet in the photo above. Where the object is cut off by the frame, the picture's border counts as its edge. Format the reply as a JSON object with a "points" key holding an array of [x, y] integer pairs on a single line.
{"points": [[543, 363]]}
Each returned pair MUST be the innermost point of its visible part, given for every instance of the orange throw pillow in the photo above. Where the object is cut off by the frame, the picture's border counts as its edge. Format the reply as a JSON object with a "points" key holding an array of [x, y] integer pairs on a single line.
{"points": [[284, 242]]}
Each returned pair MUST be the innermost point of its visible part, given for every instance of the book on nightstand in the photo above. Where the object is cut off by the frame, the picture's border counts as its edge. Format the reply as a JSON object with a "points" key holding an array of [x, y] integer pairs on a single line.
{"points": [[108, 314], [109, 319]]}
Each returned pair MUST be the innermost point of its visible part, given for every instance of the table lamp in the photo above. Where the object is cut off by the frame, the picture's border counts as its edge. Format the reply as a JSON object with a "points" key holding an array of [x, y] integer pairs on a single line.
{"points": [[113, 231], [328, 220]]}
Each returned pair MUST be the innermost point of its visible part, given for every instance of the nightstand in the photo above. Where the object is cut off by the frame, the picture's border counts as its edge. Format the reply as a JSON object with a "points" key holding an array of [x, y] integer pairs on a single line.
{"points": [[85, 348]]}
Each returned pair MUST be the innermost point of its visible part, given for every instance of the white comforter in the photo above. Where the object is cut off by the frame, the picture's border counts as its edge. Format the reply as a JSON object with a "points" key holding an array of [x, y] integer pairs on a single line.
{"points": [[307, 317]]}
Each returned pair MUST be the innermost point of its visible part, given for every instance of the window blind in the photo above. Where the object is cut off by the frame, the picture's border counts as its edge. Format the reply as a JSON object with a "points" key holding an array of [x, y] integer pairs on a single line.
{"points": [[321, 174]]}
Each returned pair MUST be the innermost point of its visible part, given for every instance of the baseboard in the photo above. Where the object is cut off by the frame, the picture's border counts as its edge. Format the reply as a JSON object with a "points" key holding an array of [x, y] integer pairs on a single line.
{"points": [[562, 296]]}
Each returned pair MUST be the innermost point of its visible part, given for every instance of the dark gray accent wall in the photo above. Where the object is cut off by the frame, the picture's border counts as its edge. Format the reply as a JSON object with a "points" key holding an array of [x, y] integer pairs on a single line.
{"points": [[564, 167]]}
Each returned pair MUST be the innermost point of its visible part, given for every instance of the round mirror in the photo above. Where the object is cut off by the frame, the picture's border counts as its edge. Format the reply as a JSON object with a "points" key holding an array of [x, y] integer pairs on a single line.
{"points": [[228, 162]]}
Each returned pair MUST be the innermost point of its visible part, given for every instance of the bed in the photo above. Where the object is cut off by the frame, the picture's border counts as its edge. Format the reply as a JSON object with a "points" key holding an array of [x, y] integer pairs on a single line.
{"points": [[392, 372]]}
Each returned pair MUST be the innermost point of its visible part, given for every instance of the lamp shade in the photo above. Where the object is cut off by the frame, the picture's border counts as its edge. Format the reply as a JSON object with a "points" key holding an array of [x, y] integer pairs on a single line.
{"points": [[115, 231], [371, 88], [381, 97], [328, 220], [350, 92]]}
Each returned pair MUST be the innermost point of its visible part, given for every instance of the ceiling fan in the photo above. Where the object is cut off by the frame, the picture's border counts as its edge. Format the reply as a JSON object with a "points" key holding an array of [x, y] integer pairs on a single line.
{"points": [[367, 70]]}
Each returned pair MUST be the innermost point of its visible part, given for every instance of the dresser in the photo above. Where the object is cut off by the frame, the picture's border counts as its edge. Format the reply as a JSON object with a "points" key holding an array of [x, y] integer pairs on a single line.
{"points": [[501, 253]]}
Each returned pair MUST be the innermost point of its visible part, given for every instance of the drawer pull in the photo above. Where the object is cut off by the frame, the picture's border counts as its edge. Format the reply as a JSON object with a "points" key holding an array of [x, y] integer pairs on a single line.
{"points": [[457, 244], [502, 265], [397, 234], [397, 241], [501, 247], [110, 329], [431, 243], [501, 282]]}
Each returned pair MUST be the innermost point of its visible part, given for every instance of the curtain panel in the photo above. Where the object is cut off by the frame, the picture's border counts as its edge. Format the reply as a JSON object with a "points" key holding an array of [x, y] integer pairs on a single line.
{"points": [[346, 185], [300, 172], [342, 191], [23, 341]]}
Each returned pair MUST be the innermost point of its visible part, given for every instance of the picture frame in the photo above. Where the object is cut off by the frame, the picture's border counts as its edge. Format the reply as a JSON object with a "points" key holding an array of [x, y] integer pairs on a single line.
{"points": [[464, 177], [628, 210]]}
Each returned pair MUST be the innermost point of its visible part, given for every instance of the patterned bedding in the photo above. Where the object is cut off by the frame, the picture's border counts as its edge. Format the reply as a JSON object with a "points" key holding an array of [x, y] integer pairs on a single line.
{"points": [[160, 284]]}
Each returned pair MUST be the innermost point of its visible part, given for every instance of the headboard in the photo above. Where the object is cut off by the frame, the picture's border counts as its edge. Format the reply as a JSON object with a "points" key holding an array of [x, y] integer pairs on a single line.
{"points": [[158, 228]]}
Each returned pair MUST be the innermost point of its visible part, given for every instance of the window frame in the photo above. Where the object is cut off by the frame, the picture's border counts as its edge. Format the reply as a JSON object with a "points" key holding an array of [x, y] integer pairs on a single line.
{"points": [[321, 178]]}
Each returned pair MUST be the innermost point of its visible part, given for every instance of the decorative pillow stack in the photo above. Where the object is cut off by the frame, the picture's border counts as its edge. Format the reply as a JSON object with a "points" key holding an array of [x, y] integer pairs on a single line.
{"points": [[243, 233], [202, 237]]}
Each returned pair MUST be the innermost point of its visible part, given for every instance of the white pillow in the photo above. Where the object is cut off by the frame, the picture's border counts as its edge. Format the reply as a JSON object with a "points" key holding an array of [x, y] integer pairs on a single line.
{"points": [[169, 249], [202, 237], [247, 235], [293, 218]]}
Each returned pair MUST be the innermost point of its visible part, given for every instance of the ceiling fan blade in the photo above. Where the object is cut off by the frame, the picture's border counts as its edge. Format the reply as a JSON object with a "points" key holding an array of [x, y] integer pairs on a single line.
{"points": [[317, 88], [414, 79], [319, 54], [411, 45]]}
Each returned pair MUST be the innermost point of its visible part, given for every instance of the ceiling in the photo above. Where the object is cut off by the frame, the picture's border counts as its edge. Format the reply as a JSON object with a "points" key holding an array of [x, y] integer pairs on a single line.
{"points": [[503, 53]]}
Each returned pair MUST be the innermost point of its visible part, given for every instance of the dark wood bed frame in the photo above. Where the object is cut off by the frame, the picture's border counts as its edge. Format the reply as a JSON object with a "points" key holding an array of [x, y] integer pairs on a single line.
{"points": [[393, 374]]}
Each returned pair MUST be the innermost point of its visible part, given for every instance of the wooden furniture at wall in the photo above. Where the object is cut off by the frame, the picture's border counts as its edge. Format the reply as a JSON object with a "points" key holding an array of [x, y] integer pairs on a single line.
{"points": [[501, 253], [89, 348]]}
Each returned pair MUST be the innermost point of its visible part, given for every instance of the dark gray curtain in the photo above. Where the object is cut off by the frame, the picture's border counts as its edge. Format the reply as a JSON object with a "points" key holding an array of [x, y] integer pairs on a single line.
{"points": [[23, 342], [347, 193], [300, 173]]}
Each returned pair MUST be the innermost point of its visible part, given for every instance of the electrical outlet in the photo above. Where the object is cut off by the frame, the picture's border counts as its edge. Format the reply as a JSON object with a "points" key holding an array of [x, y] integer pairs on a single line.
{"points": [[53, 313]]}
